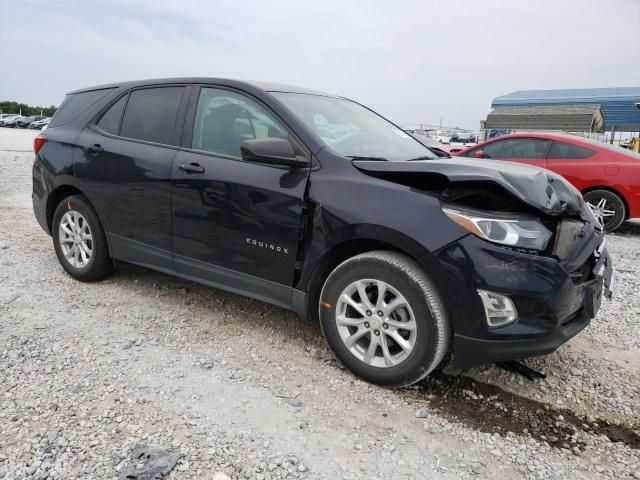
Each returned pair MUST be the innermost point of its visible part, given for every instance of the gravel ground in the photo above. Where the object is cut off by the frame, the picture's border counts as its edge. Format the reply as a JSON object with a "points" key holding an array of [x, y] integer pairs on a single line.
{"points": [[246, 390]]}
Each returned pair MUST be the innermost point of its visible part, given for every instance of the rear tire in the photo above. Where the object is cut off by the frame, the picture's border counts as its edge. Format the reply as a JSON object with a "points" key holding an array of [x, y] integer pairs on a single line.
{"points": [[393, 340], [608, 208], [79, 240]]}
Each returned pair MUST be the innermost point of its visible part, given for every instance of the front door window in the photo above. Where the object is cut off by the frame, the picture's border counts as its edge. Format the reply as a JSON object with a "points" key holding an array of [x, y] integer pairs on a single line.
{"points": [[225, 118]]}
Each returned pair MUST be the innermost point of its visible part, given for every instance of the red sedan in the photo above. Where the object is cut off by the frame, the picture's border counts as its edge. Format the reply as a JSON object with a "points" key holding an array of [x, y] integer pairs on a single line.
{"points": [[607, 176]]}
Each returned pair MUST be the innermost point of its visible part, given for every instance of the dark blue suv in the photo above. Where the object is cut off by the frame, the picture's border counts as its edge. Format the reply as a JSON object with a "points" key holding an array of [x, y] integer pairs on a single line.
{"points": [[317, 204]]}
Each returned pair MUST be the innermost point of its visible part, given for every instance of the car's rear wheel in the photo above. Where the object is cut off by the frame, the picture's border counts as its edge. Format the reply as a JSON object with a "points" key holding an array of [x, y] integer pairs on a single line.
{"points": [[608, 208], [79, 240], [384, 319]]}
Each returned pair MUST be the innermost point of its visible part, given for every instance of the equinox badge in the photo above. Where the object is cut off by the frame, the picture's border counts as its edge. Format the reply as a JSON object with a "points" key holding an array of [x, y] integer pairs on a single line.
{"points": [[269, 246]]}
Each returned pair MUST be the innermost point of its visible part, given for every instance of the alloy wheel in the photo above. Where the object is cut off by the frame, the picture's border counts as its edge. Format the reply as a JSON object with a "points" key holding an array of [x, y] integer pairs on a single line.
{"points": [[602, 210], [376, 323], [76, 240]]}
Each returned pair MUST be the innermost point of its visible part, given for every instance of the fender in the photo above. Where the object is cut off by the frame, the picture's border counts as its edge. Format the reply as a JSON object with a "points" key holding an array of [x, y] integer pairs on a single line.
{"points": [[74, 188], [321, 248]]}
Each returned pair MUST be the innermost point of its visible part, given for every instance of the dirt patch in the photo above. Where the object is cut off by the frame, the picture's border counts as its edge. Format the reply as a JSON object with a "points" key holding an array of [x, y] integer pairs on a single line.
{"points": [[491, 409]]}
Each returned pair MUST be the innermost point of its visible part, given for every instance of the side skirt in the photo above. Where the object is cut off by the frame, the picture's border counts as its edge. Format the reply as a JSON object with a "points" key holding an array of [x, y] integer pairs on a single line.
{"points": [[137, 253]]}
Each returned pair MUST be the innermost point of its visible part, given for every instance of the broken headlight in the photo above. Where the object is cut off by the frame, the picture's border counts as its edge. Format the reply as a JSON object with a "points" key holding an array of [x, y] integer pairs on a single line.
{"points": [[512, 229]]}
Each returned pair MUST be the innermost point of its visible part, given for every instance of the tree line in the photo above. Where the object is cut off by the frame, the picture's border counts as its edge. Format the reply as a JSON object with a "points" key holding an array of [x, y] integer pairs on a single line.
{"points": [[26, 110]]}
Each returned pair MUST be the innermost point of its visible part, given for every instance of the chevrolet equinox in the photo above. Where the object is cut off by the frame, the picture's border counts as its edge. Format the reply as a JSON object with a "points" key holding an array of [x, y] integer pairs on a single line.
{"points": [[317, 204]]}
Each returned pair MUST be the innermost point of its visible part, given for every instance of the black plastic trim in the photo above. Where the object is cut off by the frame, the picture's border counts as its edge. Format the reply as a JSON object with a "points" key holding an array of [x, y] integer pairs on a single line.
{"points": [[233, 281], [138, 253], [132, 251]]}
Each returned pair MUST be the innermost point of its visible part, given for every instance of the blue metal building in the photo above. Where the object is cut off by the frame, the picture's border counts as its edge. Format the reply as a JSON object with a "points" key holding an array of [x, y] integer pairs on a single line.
{"points": [[620, 106]]}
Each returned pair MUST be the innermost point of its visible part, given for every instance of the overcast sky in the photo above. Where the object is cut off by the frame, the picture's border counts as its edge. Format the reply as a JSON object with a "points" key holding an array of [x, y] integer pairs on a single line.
{"points": [[413, 61]]}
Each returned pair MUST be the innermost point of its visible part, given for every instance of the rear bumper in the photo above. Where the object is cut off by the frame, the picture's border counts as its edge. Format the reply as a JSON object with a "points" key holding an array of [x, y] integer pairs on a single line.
{"points": [[554, 301]]}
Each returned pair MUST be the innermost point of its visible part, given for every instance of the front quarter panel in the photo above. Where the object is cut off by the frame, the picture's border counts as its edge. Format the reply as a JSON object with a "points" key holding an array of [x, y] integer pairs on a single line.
{"points": [[346, 204]]}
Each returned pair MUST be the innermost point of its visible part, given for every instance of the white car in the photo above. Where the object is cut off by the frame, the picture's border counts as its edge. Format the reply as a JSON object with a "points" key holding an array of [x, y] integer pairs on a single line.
{"points": [[443, 136], [460, 141], [7, 116], [463, 139]]}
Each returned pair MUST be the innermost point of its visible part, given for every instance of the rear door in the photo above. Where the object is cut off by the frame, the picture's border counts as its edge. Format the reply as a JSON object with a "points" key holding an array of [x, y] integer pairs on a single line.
{"points": [[573, 163], [126, 165], [236, 224], [532, 151]]}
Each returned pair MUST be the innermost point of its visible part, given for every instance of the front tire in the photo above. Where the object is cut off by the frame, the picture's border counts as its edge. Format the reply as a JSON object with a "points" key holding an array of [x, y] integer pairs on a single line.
{"points": [[608, 208], [79, 240], [384, 319]]}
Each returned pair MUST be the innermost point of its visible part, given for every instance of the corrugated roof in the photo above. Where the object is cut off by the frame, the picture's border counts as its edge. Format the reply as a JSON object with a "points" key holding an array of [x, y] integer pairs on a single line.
{"points": [[572, 118], [618, 104]]}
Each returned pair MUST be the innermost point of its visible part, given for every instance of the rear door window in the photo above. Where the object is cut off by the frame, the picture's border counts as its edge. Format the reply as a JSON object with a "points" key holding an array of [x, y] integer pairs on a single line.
{"points": [[561, 150], [110, 121], [151, 114], [74, 104]]}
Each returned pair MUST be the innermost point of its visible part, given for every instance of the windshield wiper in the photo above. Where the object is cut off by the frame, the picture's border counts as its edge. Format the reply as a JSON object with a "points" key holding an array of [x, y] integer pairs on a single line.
{"points": [[356, 157], [421, 158]]}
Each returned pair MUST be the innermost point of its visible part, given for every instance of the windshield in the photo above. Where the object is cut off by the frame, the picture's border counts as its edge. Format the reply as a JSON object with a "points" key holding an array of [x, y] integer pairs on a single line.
{"points": [[351, 130]]}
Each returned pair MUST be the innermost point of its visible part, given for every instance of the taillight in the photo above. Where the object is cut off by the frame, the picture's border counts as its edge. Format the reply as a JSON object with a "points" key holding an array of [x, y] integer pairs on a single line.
{"points": [[38, 142]]}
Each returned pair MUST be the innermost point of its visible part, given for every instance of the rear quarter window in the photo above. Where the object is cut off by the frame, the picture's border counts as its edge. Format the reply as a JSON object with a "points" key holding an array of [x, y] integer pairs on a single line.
{"points": [[567, 150], [74, 104], [110, 121]]}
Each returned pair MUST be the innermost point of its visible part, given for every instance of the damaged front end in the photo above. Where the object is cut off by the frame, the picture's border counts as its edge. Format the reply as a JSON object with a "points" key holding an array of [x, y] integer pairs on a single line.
{"points": [[522, 208], [535, 265]]}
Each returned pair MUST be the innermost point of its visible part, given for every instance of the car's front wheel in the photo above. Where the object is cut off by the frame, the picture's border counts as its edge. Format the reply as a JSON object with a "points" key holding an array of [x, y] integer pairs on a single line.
{"points": [[79, 240], [384, 319], [607, 207]]}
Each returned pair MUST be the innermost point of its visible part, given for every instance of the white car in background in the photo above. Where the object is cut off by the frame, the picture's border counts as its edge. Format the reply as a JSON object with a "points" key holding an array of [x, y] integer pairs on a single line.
{"points": [[460, 141], [6, 117], [443, 136]]}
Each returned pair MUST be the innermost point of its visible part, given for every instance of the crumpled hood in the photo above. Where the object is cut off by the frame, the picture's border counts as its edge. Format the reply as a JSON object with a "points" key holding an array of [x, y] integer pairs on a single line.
{"points": [[537, 187]]}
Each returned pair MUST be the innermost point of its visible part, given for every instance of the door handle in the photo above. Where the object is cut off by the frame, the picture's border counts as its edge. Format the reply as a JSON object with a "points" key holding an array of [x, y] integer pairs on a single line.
{"points": [[191, 168], [95, 149]]}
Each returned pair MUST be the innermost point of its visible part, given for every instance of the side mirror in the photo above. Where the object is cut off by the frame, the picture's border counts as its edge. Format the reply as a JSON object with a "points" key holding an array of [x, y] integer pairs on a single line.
{"points": [[479, 154], [272, 151]]}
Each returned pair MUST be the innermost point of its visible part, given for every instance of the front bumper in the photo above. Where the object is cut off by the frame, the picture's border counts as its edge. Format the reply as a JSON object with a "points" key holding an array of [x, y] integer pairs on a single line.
{"points": [[555, 300], [471, 352]]}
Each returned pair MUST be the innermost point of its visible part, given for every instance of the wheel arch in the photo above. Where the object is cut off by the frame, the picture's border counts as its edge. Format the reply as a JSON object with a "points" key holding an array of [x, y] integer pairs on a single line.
{"points": [[368, 240], [612, 190], [60, 193], [55, 197]]}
